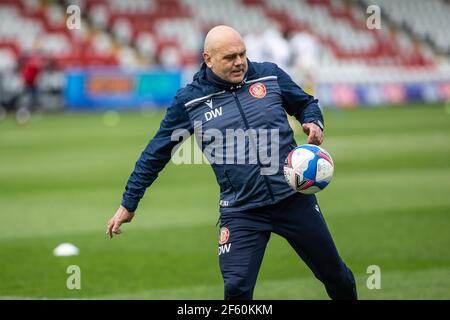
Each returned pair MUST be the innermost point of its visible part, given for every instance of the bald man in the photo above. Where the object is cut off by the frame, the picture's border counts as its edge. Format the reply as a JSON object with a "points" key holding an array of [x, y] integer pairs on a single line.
{"points": [[233, 104]]}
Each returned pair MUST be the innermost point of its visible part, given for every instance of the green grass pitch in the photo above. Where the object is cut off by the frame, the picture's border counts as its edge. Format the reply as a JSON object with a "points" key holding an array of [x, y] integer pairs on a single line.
{"points": [[62, 177]]}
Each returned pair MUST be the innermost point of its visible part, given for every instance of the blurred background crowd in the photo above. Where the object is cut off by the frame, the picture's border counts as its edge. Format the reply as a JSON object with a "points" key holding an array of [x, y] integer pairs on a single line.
{"points": [[135, 53]]}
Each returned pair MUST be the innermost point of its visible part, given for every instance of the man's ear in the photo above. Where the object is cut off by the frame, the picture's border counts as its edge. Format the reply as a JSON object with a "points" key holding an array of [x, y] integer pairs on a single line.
{"points": [[207, 59]]}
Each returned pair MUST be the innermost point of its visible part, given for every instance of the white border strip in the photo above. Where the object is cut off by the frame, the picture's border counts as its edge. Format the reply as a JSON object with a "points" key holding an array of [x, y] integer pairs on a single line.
{"points": [[187, 104], [261, 79]]}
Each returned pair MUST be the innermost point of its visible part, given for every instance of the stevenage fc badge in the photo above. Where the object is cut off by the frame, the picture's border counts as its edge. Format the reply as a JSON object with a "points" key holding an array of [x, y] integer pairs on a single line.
{"points": [[258, 90], [224, 235]]}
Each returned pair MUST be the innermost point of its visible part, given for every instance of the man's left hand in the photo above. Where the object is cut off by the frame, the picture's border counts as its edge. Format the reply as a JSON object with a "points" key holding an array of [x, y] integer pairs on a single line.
{"points": [[315, 134]]}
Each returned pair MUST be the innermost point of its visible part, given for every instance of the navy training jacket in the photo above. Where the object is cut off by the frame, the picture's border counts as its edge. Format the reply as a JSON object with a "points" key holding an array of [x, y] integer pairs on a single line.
{"points": [[258, 103]]}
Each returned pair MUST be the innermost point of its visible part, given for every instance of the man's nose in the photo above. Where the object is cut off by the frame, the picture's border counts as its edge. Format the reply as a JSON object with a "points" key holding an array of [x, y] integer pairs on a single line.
{"points": [[238, 61]]}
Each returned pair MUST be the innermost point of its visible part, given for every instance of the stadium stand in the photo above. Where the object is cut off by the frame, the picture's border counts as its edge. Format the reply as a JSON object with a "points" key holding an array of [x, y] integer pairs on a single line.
{"points": [[426, 20], [413, 40], [147, 27]]}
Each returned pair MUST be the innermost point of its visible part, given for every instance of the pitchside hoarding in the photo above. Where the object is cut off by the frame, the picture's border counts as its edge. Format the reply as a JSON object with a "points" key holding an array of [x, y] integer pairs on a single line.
{"points": [[375, 94], [120, 89], [106, 89]]}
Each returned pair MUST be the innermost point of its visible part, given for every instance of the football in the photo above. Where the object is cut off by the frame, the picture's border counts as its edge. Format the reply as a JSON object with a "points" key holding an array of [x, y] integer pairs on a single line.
{"points": [[308, 169]]}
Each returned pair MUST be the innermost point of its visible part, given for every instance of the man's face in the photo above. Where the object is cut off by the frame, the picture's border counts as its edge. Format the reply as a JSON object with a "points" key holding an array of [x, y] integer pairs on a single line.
{"points": [[228, 61]]}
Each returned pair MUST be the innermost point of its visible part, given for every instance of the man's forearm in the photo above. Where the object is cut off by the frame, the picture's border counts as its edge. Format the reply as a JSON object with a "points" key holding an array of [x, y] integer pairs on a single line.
{"points": [[151, 162]]}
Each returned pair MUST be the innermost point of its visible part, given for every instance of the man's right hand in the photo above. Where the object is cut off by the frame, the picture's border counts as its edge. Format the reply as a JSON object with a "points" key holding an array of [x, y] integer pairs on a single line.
{"points": [[314, 132], [122, 215]]}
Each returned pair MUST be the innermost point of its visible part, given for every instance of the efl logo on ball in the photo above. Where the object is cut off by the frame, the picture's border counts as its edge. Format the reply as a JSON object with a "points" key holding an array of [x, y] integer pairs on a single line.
{"points": [[308, 169]]}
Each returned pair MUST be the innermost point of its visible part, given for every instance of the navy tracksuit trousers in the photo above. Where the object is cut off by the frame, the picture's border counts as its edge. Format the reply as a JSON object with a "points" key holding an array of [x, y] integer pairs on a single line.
{"points": [[244, 236]]}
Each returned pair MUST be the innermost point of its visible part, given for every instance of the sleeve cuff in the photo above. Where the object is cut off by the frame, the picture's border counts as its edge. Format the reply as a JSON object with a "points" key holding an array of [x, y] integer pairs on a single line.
{"points": [[130, 204], [319, 124]]}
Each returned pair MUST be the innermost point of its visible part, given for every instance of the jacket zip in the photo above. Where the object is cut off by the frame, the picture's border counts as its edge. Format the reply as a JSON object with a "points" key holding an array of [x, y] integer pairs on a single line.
{"points": [[254, 145]]}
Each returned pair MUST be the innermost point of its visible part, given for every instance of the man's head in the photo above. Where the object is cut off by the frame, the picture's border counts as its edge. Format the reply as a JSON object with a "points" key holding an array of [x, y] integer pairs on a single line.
{"points": [[225, 54]]}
